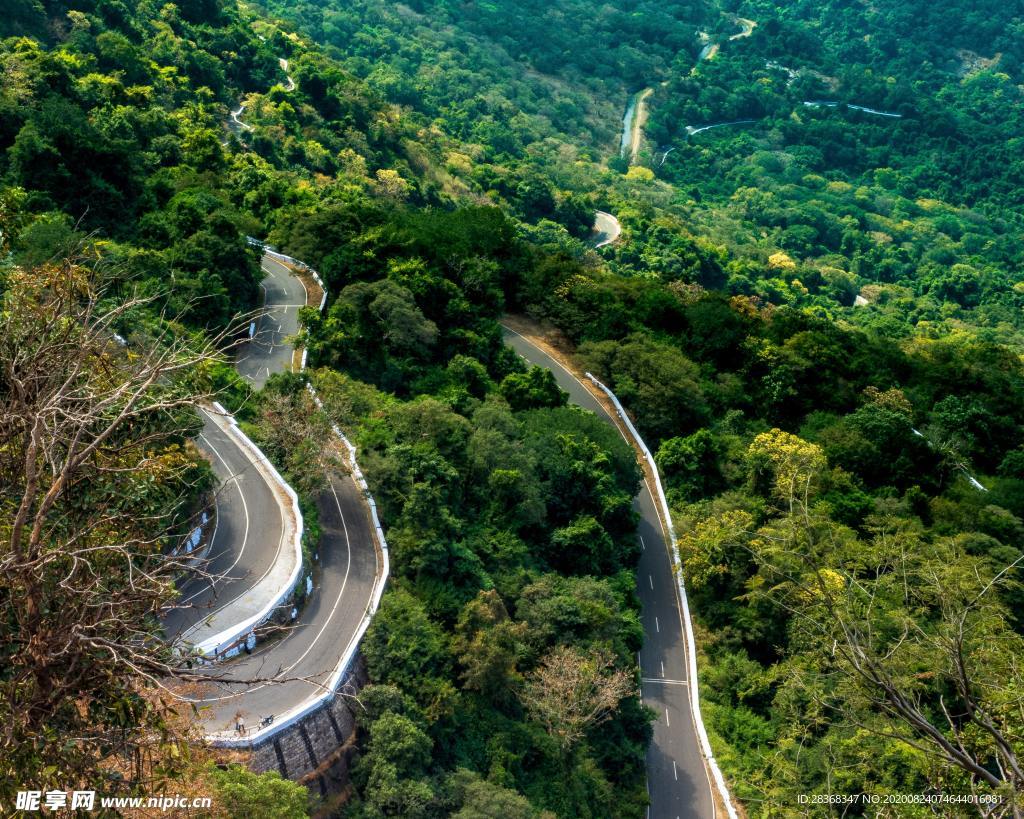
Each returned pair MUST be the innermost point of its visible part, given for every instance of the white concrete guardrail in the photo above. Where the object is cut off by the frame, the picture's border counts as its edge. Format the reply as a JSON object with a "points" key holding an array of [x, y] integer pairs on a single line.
{"points": [[691, 652], [227, 643], [334, 682], [962, 467]]}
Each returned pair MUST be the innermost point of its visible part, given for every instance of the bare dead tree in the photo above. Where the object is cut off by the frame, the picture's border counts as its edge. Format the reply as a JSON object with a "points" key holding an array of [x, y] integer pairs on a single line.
{"points": [[570, 692], [293, 429], [95, 473]]}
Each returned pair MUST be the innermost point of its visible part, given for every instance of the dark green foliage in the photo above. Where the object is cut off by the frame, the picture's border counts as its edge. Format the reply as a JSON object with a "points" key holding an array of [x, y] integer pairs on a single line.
{"points": [[246, 795], [690, 465], [656, 380], [839, 275], [533, 389], [493, 490]]}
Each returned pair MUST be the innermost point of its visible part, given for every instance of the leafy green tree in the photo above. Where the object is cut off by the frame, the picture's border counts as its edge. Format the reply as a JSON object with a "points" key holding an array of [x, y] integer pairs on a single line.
{"points": [[375, 322], [398, 753], [241, 793], [583, 611], [402, 645], [487, 645], [583, 547], [533, 389], [481, 799], [690, 464], [656, 380]]}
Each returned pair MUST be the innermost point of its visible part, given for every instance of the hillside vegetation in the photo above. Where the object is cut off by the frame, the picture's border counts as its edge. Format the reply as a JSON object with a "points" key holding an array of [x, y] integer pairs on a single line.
{"points": [[814, 318]]}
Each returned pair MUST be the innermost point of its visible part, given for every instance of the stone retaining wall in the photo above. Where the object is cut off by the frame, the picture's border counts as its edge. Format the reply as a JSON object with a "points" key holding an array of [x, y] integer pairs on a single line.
{"points": [[317, 749]]}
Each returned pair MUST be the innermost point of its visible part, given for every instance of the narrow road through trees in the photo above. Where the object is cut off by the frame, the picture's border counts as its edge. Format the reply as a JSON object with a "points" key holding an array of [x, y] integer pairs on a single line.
{"points": [[677, 778], [295, 671], [268, 351], [606, 229]]}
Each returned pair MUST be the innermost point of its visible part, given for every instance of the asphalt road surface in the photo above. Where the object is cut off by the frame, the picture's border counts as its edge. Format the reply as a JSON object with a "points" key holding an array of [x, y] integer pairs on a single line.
{"points": [[268, 350], [246, 539], [249, 520], [676, 777], [606, 229], [310, 649]]}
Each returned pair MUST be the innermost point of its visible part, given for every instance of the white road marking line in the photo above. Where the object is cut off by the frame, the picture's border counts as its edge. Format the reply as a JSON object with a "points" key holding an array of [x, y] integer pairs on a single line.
{"points": [[646, 487], [327, 622], [668, 722], [663, 669], [270, 567], [650, 580], [341, 591], [675, 770], [643, 548], [245, 535], [663, 681], [657, 625]]}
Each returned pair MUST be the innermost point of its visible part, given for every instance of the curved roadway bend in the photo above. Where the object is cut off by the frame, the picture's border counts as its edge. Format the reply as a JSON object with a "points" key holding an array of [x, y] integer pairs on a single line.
{"points": [[250, 523], [676, 777], [312, 648], [606, 229], [245, 543], [268, 350]]}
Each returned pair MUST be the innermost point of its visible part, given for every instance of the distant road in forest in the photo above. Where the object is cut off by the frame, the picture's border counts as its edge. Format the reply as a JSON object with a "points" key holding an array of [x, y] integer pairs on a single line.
{"points": [[633, 125], [268, 351], [607, 229], [676, 777]]}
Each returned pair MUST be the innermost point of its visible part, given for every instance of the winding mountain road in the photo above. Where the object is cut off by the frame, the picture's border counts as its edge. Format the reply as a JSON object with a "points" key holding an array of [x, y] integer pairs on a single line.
{"points": [[246, 545], [268, 350], [606, 229], [676, 776], [281, 678], [285, 675], [303, 661]]}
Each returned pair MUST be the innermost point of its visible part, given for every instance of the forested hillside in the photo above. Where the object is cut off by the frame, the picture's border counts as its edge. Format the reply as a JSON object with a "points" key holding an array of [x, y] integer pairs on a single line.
{"points": [[125, 148], [813, 315], [815, 299], [913, 205], [911, 201], [114, 126]]}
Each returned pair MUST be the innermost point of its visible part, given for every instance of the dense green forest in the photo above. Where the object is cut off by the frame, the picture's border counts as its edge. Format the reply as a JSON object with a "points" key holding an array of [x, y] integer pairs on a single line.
{"points": [[499, 573], [814, 318], [890, 405], [790, 455], [919, 215], [117, 154]]}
